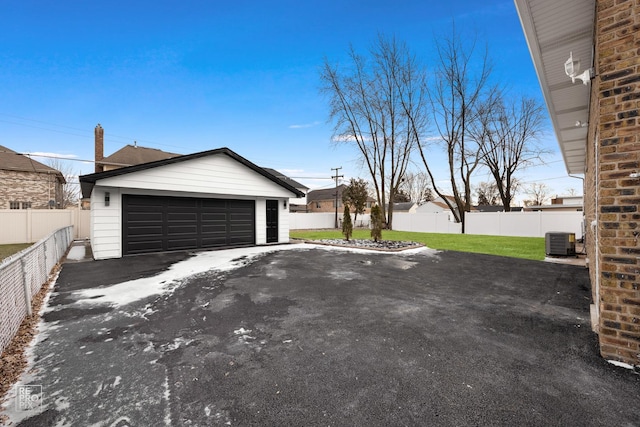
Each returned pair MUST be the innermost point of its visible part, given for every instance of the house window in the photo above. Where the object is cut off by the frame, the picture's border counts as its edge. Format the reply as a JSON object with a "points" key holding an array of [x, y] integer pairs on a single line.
{"points": [[318, 205], [17, 205]]}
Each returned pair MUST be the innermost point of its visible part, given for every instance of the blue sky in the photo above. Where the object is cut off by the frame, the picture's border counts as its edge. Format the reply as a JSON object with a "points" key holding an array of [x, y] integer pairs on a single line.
{"points": [[190, 76]]}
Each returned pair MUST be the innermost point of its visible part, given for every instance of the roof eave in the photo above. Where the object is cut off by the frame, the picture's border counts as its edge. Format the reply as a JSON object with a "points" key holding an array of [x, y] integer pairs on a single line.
{"points": [[575, 162], [91, 179]]}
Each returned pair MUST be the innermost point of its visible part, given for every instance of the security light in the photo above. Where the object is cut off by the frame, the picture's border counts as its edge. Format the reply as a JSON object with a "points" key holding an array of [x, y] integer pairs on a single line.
{"points": [[572, 67]]}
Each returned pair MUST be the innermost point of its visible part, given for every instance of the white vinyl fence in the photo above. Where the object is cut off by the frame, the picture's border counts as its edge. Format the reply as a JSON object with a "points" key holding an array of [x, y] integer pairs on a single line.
{"points": [[426, 223], [311, 221], [321, 220], [21, 277], [31, 225], [525, 224]]}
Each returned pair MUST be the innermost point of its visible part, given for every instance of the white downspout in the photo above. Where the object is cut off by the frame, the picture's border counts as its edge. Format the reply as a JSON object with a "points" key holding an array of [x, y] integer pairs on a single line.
{"points": [[595, 309]]}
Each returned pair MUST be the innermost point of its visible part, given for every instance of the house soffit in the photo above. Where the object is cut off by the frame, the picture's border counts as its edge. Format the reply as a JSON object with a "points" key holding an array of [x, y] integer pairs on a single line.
{"points": [[553, 29]]}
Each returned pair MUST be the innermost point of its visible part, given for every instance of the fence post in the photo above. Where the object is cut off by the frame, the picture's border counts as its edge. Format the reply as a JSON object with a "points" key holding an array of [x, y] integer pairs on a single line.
{"points": [[55, 245], [27, 291], [46, 264]]}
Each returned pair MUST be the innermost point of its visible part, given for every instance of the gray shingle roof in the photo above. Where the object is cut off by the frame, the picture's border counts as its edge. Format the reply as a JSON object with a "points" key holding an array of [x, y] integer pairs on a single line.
{"points": [[325, 194], [134, 155], [12, 161], [286, 179]]}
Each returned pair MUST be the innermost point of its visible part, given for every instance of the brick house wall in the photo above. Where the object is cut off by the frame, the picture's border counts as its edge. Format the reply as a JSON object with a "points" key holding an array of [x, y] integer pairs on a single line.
{"points": [[613, 157], [324, 206], [329, 206], [29, 187]]}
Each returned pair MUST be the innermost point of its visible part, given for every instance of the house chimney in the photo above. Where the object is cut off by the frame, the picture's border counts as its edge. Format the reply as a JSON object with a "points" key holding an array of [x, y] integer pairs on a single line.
{"points": [[99, 147]]}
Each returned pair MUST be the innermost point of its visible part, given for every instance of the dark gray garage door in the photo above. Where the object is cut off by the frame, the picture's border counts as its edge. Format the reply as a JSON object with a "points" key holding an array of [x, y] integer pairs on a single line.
{"points": [[157, 224]]}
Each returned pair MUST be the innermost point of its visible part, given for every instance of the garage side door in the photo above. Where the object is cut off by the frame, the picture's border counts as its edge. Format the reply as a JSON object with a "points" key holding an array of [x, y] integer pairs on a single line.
{"points": [[158, 224]]}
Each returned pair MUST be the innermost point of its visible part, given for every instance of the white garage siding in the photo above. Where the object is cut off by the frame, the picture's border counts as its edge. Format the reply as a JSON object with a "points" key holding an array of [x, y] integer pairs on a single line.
{"points": [[215, 176]]}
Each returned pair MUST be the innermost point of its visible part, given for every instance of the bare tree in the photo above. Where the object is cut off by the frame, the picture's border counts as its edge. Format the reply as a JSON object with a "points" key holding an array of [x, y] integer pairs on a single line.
{"points": [[508, 139], [538, 194], [401, 197], [365, 106], [355, 195], [459, 96], [487, 193], [71, 187], [416, 185]]}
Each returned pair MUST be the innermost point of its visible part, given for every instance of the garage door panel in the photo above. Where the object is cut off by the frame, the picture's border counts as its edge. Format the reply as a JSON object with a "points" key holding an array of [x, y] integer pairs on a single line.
{"points": [[214, 242], [210, 216], [182, 216], [156, 224], [147, 230], [179, 244], [182, 230], [155, 215], [145, 247], [213, 228]]}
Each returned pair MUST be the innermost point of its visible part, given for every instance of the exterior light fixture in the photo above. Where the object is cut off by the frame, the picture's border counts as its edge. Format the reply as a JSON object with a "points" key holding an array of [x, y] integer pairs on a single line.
{"points": [[285, 204], [572, 68], [107, 198]]}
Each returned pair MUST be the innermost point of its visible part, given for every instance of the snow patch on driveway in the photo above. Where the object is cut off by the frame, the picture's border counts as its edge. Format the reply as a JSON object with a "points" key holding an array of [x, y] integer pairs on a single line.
{"points": [[221, 260], [134, 290]]}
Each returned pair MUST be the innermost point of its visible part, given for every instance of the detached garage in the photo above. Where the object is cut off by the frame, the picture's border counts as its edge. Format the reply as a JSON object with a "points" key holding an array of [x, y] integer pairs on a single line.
{"points": [[212, 199]]}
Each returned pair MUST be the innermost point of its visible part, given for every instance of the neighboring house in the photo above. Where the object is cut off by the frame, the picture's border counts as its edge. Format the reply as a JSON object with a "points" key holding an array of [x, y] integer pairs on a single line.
{"points": [[560, 204], [406, 207], [438, 205], [325, 200], [296, 204], [597, 127], [28, 184], [128, 155], [495, 208], [211, 199]]}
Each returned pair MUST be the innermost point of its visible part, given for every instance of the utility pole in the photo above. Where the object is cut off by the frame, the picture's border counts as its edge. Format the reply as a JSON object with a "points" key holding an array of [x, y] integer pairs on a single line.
{"points": [[336, 176]]}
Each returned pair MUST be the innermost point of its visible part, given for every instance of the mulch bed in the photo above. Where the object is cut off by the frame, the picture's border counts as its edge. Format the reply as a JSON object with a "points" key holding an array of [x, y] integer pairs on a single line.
{"points": [[381, 245]]}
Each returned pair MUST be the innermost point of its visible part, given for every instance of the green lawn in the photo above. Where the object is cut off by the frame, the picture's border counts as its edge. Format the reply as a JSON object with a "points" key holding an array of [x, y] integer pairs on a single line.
{"points": [[8, 250], [515, 247]]}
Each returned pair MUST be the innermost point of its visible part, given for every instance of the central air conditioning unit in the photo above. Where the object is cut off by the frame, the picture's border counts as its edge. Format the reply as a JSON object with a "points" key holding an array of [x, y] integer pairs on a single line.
{"points": [[560, 243]]}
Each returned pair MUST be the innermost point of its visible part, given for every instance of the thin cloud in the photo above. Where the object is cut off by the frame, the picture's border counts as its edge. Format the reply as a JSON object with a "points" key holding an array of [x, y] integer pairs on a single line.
{"points": [[303, 126]]}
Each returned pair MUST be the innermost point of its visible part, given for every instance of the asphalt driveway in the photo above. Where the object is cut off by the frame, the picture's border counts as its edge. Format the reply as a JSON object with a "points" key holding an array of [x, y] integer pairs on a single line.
{"points": [[313, 336]]}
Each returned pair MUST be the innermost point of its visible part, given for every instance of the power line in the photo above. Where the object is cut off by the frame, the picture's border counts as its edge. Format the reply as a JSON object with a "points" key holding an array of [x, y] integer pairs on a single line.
{"points": [[86, 133]]}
